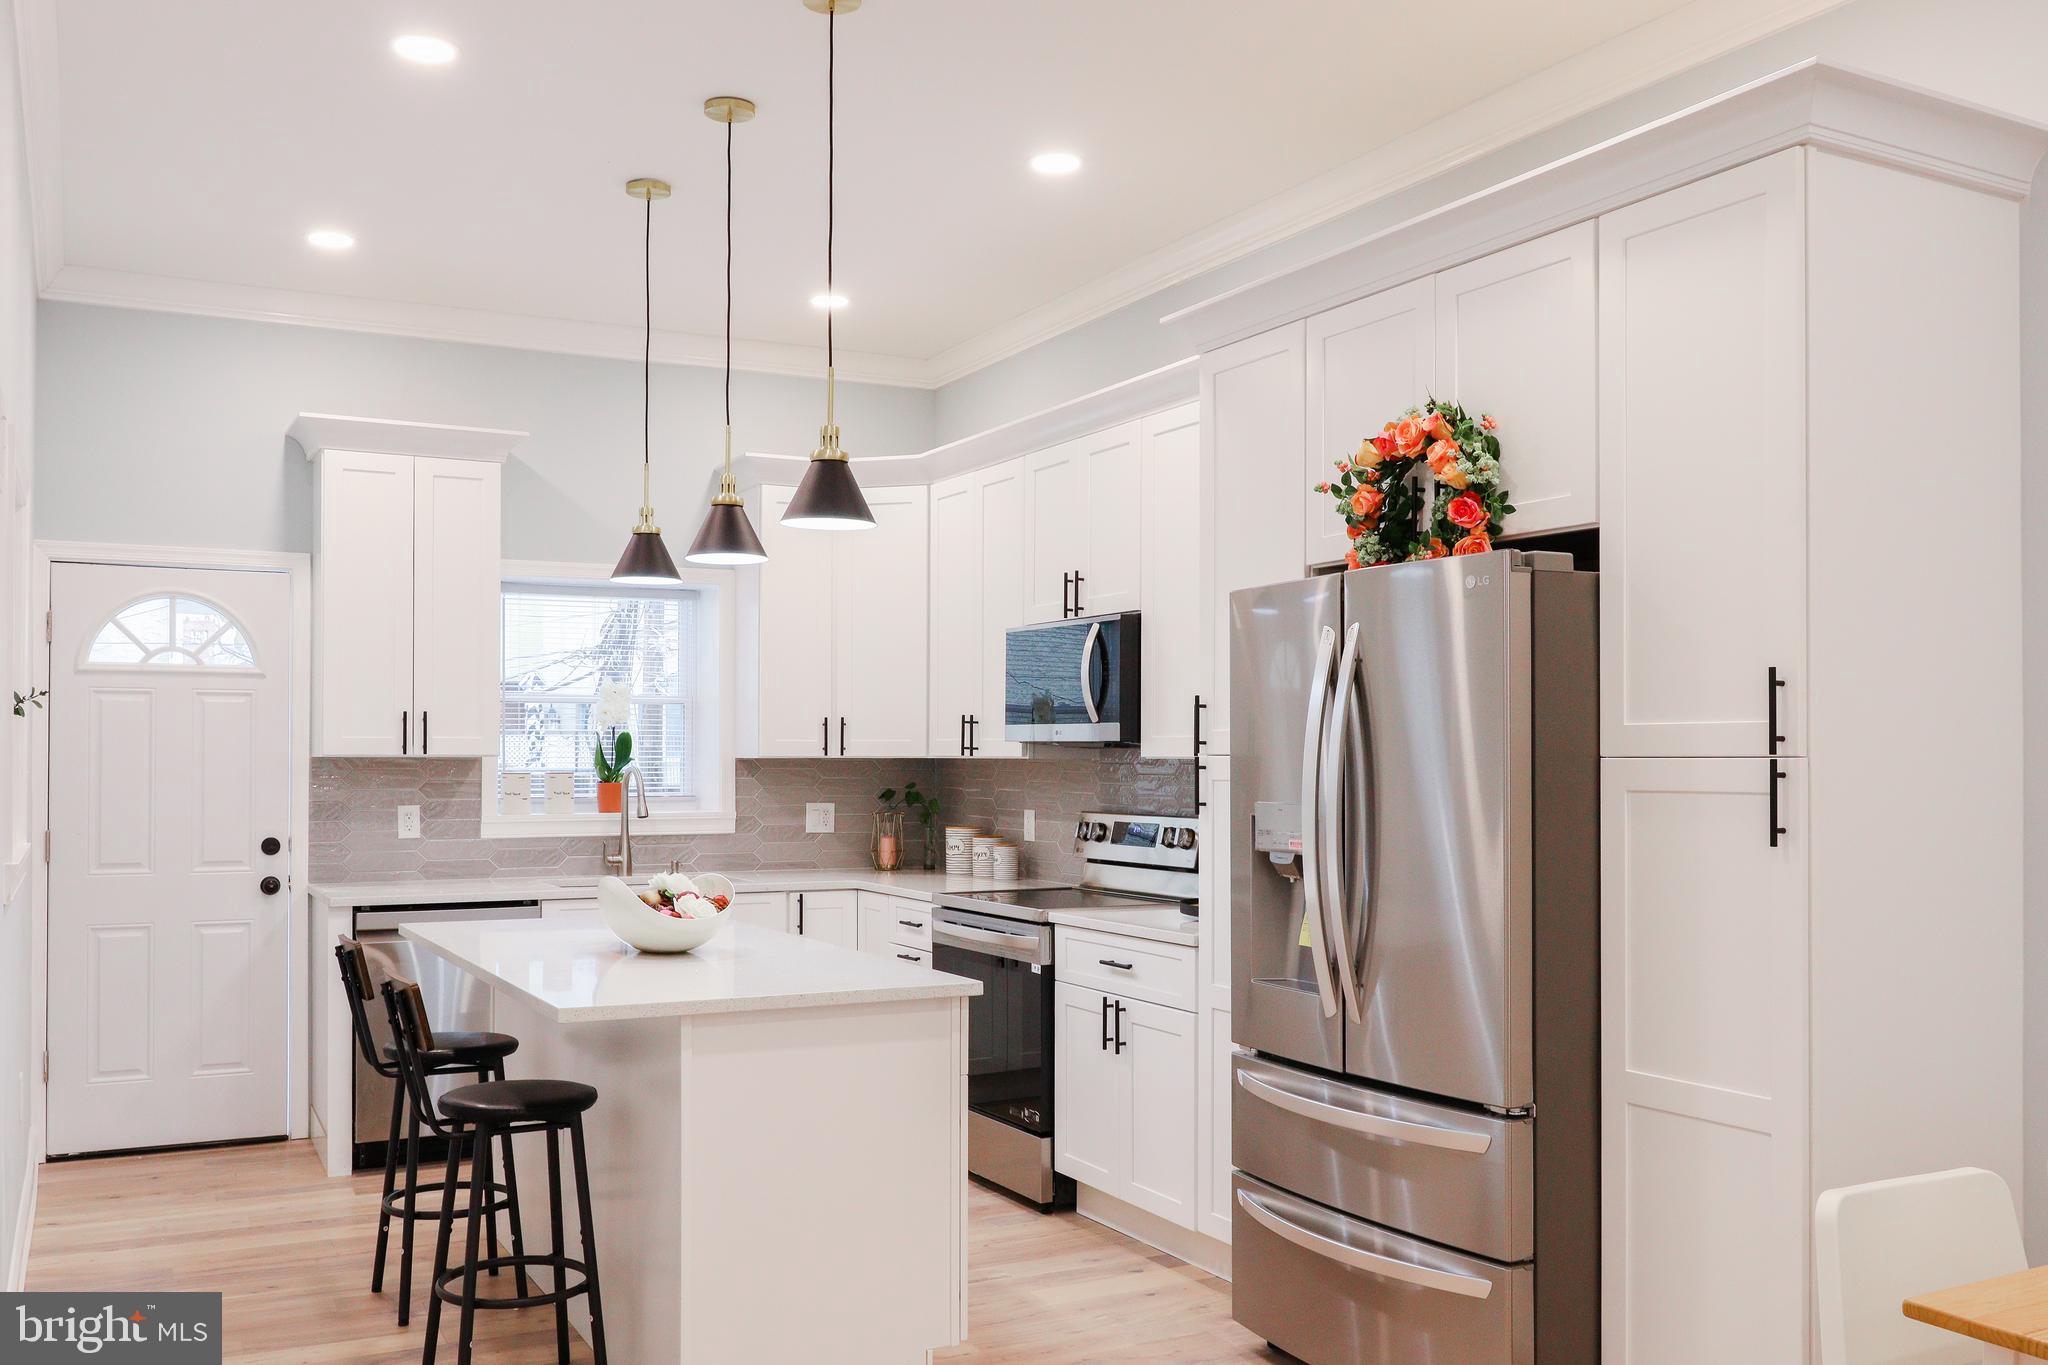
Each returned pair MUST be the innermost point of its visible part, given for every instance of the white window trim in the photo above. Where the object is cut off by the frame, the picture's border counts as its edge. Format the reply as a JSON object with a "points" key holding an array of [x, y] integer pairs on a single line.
{"points": [[713, 810]]}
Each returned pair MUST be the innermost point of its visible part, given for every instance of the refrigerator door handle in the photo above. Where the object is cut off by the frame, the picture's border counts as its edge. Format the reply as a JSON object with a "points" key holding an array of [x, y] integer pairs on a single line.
{"points": [[1330, 815], [1311, 818], [1088, 673], [1371, 1125], [1471, 1286]]}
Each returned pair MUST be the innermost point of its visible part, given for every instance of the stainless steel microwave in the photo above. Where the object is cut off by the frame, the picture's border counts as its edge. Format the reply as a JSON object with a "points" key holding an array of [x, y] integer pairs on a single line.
{"points": [[1073, 681]]}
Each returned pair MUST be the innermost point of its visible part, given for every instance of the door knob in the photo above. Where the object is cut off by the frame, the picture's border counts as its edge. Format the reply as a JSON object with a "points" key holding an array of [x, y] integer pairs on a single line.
{"points": [[270, 886], [271, 845]]}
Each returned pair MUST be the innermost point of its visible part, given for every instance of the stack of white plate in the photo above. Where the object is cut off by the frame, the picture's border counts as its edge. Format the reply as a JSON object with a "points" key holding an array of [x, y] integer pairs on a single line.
{"points": [[960, 849], [1007, 862]]}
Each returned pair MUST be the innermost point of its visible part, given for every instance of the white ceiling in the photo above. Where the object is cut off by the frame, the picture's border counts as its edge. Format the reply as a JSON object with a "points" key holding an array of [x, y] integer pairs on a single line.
{"points": [[200, 140]]}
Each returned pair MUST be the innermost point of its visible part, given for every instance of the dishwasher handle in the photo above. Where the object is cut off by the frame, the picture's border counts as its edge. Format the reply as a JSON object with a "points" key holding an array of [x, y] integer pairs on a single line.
{"points": [[390, 917]]}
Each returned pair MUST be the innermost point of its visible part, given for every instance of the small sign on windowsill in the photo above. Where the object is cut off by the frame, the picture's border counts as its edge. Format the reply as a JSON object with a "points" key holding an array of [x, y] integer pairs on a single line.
{"points": [[562, 793], [518, 795]]}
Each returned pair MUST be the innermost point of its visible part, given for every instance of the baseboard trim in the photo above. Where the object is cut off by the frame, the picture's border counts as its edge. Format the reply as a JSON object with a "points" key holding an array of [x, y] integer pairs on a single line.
{"points": [[1197, 1249], [24, 1225]]}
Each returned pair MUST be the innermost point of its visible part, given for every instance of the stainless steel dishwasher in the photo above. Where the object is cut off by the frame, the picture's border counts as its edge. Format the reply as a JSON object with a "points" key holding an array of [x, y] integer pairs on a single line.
{"points": [[455, 1000]]}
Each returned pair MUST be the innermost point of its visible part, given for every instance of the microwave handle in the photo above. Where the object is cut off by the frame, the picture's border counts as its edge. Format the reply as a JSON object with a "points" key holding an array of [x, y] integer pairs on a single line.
{"points": [[1088, 673]]}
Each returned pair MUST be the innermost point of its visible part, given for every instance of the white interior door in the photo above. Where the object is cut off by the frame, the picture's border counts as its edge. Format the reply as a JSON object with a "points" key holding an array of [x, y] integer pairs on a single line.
{"points": [[169, 769]]}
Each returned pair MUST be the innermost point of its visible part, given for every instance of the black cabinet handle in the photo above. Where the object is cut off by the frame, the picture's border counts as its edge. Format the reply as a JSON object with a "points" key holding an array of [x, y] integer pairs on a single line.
{"points": [[825, 735], [1120, 1044], [1111, 962], [1200, 707], [405, 732], [423, 732], [1066, 595], [973, 739], [963, 734], [910, 957], [1776, 683], [842, 737], [799, 912], [1105, 1023], [1078, 580], [1777, 776]]}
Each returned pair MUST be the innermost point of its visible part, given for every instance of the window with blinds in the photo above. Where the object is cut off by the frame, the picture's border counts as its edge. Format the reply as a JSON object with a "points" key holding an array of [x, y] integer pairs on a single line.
{"points": [[562, 643]]}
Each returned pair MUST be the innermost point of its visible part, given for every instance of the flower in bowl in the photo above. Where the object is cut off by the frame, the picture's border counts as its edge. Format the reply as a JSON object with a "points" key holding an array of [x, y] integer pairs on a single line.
{"points": [[673, 918]]}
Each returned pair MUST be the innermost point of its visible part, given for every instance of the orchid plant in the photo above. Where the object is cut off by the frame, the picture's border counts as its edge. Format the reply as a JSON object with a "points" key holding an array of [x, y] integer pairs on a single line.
{"points": [[614, 708]]}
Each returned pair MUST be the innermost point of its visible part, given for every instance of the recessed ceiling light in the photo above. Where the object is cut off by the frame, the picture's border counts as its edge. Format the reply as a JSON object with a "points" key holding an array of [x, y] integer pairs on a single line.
{"points": [[831, 303], [330, 239], [1055, 163], [424, 49]]}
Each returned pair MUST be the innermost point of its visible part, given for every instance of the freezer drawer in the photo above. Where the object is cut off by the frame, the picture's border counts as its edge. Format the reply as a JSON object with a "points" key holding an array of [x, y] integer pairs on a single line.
{"points": [[1336, 1291], [1451, 1175]]}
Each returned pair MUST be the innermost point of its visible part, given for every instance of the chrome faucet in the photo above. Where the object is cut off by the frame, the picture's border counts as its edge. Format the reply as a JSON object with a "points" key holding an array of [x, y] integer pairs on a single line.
{"points": [[632, 784]]}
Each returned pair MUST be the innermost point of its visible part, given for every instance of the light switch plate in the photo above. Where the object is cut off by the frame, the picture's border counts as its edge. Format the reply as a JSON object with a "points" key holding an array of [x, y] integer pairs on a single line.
{"points": [[818, 817], [408, 822], [1030, 826]]}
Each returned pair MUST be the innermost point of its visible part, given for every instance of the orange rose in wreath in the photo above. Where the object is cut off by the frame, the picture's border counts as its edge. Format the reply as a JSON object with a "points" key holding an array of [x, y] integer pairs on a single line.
{"points": [[1436, 550], [1435, 425], [1408, 437], [1478, 543], [1354, 530], [1351, 560], [1366, 503], [1466, 510]]}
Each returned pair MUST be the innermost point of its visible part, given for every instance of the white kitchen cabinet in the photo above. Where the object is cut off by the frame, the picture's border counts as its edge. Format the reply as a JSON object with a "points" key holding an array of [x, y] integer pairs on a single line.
{"points": [[1213, 1213], [763, 909], [840, 626], [1703, 488], [895, 926], [1125, 1073], [406, 619], [1515, 337], [1081, 556], [1170, 528], [1704, 1000], [1368, 362], [828, 916], [1252, 526], [977, 596]]}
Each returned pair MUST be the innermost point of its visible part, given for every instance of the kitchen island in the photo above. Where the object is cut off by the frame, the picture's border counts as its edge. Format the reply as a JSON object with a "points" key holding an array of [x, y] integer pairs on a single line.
{"points": [[779, 1148]]}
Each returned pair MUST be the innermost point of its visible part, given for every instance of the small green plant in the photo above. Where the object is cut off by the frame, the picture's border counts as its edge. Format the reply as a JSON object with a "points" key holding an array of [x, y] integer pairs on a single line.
{"points": [[612, 767], [34, 698], [911, 799]]}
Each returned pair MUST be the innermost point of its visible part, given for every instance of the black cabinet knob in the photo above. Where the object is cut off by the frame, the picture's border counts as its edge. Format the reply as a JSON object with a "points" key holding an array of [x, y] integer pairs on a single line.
{"points": [[271, 845], [270, 886]]}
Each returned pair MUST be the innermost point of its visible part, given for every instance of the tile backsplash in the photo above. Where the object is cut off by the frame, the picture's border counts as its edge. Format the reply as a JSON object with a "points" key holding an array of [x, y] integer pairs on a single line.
{"points": [[355, 805]]}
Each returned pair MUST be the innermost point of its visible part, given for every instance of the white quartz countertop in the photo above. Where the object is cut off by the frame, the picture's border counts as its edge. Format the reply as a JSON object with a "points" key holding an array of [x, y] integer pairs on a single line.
{"points": [[573, 969], [918, 885], [1163, 925]]}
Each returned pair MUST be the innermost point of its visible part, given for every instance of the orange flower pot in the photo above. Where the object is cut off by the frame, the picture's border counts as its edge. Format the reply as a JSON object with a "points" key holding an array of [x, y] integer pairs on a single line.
{"points": [[610, 796]]}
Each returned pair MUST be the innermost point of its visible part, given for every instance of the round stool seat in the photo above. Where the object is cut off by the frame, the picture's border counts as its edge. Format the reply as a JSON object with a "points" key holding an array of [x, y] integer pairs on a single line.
{"points": [[517, 1101], [452, 1048]]}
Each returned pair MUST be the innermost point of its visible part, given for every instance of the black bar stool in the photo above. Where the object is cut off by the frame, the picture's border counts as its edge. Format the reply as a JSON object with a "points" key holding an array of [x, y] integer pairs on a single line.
{"points": [[499, 1109], [458, 1054]]}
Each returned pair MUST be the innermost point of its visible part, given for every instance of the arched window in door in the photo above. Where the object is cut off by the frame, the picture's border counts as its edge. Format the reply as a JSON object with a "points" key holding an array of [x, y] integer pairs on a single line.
{"points": [[171, 632]]}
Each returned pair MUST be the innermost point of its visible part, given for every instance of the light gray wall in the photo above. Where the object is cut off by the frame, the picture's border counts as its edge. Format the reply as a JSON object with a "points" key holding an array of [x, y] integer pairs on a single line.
{"points": [[168, 429], [2034, 715], [1986, 51]]}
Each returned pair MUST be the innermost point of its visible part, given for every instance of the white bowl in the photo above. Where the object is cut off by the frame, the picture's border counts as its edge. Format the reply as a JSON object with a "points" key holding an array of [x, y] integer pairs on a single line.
{"points": [[646, 928]]}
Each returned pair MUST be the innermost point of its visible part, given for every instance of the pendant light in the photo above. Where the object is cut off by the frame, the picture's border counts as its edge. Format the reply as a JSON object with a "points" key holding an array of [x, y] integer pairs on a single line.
{"points": [[646, 560], [829, 499], [727, 537]]}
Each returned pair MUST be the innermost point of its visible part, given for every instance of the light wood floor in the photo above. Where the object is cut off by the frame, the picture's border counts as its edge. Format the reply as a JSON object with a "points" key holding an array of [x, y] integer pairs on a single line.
{"points": [[290, 1249]]}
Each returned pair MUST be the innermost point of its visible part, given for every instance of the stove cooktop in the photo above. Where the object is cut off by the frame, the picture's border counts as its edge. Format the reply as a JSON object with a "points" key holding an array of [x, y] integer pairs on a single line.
{"points": [[1037, 905]]}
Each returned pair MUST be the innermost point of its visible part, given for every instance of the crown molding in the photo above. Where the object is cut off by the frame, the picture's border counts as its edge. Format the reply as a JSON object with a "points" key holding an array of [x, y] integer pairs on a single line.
{"points": [[1632, 61], [35, 54], [318, 432], [439, 322], [1815, 104]]}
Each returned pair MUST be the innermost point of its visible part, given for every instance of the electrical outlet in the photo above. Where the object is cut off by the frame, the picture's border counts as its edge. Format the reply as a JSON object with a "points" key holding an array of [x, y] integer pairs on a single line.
{"points": [[408, 822], [1030, 826], [818, 817]]}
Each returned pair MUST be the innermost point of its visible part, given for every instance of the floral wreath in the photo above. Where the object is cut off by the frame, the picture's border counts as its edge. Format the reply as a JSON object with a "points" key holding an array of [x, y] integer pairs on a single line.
{"points": [[1379, 490]]}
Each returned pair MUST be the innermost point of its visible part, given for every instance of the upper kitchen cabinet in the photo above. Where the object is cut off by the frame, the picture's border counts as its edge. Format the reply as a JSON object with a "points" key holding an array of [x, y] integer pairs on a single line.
{"points": [[1252, 528], [834, 627], [1368, 362], [1170, 527], [1080, 556], [977, 595], [406, 586], [1515, 336], [1703, 538]]}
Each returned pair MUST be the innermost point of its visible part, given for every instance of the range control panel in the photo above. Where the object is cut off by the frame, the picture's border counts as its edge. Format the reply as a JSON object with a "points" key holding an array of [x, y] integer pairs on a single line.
{"points": [[1144, 840]]}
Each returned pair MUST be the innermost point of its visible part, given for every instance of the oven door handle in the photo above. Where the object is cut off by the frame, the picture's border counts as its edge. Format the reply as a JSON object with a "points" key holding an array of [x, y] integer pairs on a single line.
{"points": [[997, 942], [1450, 1282], [1371, 1125]]}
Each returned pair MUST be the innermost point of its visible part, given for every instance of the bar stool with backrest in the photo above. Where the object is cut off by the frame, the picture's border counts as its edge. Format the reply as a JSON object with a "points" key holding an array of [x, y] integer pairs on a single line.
{"points": [[479, 1113], [481, 1055]]}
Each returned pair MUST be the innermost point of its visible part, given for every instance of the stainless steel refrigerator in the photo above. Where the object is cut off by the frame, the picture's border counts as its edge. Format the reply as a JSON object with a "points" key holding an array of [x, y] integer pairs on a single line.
{"points": [[1415, 940]]}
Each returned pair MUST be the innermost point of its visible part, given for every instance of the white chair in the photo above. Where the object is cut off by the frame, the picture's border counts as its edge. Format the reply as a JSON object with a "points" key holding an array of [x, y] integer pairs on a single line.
{"points": [[1880, 1244]]}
